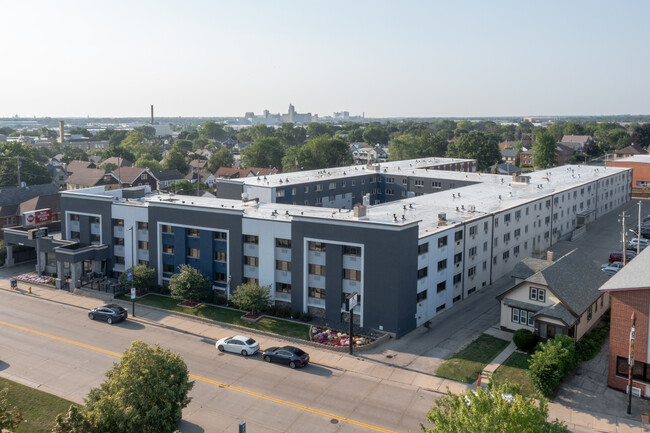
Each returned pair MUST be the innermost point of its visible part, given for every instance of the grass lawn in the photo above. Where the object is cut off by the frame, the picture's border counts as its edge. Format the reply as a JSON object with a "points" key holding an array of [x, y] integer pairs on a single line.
{"points": [[515, 369], [275, 326], [466, 365], [39, 408]]}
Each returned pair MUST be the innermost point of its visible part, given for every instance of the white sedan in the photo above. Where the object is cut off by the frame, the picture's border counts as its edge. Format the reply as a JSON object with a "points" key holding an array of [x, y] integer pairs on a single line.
{"points": [[238, 344]]}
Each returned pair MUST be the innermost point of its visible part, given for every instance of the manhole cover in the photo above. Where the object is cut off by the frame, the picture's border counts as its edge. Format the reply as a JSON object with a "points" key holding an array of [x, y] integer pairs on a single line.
{"points": [[334, 421]]}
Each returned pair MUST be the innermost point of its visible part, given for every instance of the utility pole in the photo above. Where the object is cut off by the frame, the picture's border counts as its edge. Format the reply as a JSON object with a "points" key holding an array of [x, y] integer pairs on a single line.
{"points": [[624, 250], [638, 233], [630, 362]]}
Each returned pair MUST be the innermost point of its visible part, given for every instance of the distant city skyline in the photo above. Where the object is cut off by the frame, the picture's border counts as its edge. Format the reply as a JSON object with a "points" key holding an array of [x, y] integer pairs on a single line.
{"points": [[410, 59]]}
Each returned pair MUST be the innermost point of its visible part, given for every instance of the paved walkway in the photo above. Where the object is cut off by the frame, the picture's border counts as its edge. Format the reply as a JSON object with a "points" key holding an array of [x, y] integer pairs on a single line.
{"points": [[416, 371]]}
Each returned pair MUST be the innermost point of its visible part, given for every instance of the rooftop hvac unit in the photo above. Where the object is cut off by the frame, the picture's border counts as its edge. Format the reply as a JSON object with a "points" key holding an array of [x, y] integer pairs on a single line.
{"points": [[442, 216], [471, 208]]}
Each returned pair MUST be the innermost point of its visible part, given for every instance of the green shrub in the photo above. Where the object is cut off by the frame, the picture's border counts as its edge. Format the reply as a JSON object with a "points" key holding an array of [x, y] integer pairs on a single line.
{"points": [[295, 315], [592, 342], [551, 362], [283, 312], [54, 275], [272, 310], [524, 339], [305, 317]]}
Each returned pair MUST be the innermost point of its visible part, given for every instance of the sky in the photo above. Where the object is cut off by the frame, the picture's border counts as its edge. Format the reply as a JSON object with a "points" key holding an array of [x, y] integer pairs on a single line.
{"points": [[383, 58]]}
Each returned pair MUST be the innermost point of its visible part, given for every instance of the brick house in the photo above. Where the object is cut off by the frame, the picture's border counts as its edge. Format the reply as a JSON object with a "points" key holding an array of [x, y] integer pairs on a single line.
{"points": [[551, 298], [578, 142], [563, 155], [640, 165], [629, 290]]}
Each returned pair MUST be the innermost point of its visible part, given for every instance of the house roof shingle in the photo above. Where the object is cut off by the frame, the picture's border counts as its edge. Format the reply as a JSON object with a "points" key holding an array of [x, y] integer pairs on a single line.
{"points": [[117, 161], [557, 311], [166, 175], [632, 149], [88, 177], [77, 165]]}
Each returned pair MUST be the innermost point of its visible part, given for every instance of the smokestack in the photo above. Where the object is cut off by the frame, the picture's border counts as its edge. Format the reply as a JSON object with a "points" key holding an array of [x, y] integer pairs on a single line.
{"points": [[152, 114], [61, 135]]}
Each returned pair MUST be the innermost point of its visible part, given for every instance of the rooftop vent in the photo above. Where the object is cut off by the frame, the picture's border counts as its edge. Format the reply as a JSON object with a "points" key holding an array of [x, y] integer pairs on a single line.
{"points": [[359, 211], [471, 208]]}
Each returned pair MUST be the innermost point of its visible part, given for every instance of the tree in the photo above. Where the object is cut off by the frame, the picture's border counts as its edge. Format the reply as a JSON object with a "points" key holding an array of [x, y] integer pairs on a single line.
{"points": [[551, 362], [290, 135], [183, 145], [81, 131], [73, 421], [143, 277], [544, 150], [257, 132], [212, 131], [175, 159], [409, 146], [145, 392], [148, 131], [641, 135], [252, 297], [10, 416], [319, 152], [499, 408], [265, 152], [375, 135], [316, 129], [150, 163], [620, 138], [477, 145], [221, 158], [185, 187], [188, 283]]}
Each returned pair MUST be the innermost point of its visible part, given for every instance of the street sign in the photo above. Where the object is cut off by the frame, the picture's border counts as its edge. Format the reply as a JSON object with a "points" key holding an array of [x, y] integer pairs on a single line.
{"points": [[36, 217], [132, 292], [352, 301], [129, 275]]}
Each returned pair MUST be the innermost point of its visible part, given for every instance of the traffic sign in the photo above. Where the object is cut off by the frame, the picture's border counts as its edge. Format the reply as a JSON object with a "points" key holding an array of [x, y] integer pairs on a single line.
{"points": [[132, 292]]}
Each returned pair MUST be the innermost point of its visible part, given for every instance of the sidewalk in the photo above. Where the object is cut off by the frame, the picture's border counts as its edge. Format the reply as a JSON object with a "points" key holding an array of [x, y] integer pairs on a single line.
{"points": [[413, 374]]}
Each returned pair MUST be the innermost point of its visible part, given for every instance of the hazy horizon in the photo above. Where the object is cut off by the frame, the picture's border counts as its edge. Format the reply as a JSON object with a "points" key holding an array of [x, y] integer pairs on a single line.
{"points": [[412, 59]]}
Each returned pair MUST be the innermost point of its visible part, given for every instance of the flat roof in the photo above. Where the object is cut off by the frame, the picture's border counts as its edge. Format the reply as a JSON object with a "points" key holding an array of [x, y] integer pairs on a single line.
{"points": [[635, 158]]}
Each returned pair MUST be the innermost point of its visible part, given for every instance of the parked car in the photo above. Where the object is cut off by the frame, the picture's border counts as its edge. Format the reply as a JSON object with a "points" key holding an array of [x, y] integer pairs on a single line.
{"points": [[617, 256], [617, 265], [238, 344], [289, 355], [610, 270], [112, 313], [632, 245]]}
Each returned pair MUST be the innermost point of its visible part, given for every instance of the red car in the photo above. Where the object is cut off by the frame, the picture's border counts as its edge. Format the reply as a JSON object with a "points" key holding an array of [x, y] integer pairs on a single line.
{"points": [[617, 256]]}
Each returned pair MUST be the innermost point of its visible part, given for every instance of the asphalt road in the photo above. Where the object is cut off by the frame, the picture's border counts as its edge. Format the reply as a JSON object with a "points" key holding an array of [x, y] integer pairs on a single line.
{"points": [[57, 348]]}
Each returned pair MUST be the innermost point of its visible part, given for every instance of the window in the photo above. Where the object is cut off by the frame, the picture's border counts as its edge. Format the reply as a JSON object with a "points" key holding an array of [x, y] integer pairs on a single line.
{"points": [[442, 242], [220, 256], [193, 253], [283, 288], [472, 251], [515, 315], [143, 245], [485, 246], [251, 261], [144, 262], [293, 191], [220, 236], [440, 308], [282, 265], [442, 286], [305, 189], [436, 184], [167, 249], [332, 185], [458, 258], [456, 299], [316, 293], [506, 237], [517, 232], [423, 272], [220, 277], [442, 265], [589, 312], [496, 222], [120, 260], [94, 239], [523, 317], [458, 235], [319, 187], [351, 251], [419, 183], [94, 220], [471, 271], [640, 371], [422, 296], [143, 225], [473, 230], [351, 274], [167, 268], [506, 218], [251, 239], [283, 243], [250, 280], [317, 246], [279, 193], [458, 278], [168, 230], [485, 226], [515, 250], [517, 214], [194, 233], [537, 294], [316, 269], [118, 241]]}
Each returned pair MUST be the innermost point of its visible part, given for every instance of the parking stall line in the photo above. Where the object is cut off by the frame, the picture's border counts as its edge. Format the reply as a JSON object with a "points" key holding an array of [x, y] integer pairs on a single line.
{"points": [[210, 381]]}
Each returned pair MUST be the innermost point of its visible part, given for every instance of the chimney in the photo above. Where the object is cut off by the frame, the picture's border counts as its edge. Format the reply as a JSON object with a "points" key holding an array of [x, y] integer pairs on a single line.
{"points": [[152, 114], [61, 135], [549, 256], [359, 211]]}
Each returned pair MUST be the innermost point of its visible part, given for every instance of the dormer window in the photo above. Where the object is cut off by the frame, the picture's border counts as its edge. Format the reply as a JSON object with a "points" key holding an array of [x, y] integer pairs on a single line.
{"points": [[537, 294]]}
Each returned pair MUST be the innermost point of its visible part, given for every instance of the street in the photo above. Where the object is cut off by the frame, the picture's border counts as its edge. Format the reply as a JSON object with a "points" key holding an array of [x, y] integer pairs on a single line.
{"points": [[57, 348]]}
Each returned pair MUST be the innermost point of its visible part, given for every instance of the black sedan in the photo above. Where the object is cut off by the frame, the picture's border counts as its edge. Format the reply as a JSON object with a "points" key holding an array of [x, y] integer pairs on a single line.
{"points": [[292, 356], [112, 313]]}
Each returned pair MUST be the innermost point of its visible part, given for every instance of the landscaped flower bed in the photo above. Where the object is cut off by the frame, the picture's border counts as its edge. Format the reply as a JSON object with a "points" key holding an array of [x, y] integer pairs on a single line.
{"points": [[331, 337], [33, 278]]}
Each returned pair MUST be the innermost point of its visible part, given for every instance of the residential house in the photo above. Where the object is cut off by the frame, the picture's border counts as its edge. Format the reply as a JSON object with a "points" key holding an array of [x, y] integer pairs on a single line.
{"points": [[206, 178], [507, 145], [631, 150], [88, 177], [76, 165], [563, 155], [135, 176], [200, 163], [256, 171], [116, 161], [11, 199], [510, 155], [232, 173], [551, 298], [629, 290], [58, 174], [508, 168], [578, 142], [167, 177]]}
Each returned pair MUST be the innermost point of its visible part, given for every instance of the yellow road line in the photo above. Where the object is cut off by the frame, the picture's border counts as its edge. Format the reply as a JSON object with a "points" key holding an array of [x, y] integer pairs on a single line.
{"points": [[210, 381]]}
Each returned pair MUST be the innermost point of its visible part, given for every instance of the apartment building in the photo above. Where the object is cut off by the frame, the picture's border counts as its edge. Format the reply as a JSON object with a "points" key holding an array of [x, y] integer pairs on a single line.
{"points": [[411, 239]]}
